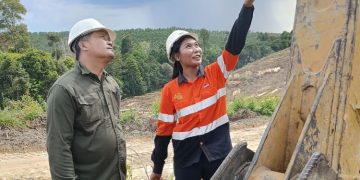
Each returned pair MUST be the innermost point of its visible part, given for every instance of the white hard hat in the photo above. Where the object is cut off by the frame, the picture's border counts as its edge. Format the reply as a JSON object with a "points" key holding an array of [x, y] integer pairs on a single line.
{"points": [[173, 37], [86, 26]]}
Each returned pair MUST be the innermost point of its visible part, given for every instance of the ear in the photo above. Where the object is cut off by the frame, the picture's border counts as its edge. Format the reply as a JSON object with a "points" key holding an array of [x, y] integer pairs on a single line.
{"points": [[177, 56], [84, 45]]}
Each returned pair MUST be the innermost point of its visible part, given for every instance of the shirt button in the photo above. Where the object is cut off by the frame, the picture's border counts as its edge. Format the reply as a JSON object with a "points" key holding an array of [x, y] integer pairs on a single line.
{"points": [[201, 143]]}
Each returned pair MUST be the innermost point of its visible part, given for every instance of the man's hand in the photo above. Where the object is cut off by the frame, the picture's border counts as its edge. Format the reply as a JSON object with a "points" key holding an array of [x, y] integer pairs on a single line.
{"points": [[248, 3], [155, 176]]}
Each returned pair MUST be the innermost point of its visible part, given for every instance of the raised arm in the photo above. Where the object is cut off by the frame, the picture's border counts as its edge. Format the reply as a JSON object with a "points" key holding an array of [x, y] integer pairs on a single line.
{"points": [[237, 37]]}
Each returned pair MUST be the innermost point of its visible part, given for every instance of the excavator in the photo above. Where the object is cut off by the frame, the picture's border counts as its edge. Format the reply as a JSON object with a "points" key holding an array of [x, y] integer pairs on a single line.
{"points": [[315, 131]]}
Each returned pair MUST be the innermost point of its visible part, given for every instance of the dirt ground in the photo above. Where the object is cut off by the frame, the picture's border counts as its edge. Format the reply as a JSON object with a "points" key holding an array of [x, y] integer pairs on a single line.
{"points": [[34, 165], [22, 151]]}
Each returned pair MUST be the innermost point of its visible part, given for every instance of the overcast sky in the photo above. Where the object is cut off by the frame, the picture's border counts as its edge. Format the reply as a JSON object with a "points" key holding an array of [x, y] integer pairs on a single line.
{"points": [[60, 15]]}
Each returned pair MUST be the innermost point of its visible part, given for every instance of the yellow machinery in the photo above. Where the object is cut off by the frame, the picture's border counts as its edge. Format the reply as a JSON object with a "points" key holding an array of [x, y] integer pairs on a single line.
{"points": [[315, 131]]}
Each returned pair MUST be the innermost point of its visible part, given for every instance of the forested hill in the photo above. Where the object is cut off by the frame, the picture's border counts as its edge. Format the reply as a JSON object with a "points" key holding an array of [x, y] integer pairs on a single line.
{"points": [[141, 65], [258, 44], [31, 62]]}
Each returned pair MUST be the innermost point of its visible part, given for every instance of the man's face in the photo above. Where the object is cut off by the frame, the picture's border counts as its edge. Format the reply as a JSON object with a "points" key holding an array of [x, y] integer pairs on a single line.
{"points": [[100, 45]]}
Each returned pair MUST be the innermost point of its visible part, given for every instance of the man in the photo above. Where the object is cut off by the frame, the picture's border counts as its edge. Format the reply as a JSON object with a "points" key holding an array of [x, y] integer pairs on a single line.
{"points": [[84, 139]]}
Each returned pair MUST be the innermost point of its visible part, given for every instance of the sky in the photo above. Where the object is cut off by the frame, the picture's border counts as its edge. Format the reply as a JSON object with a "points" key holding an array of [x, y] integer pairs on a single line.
{"points": [[59, 15]]}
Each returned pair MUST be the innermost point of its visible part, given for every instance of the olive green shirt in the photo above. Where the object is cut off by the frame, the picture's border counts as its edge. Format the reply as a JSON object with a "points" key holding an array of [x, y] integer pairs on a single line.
{"points": [[84, 138]]}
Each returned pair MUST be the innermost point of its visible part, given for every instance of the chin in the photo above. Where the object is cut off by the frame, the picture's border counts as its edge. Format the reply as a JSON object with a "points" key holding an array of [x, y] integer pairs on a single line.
{"points": [[109, 58], [111, 55], [198, 63]]}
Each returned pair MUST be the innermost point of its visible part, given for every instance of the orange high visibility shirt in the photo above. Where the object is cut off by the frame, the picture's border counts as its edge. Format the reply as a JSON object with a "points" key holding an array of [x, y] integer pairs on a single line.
{"points": [[196, 108], [193, 114]]}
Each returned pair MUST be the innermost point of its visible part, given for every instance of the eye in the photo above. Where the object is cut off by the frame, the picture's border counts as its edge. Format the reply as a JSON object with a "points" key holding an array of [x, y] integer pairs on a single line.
{"points": [[105, 37]]}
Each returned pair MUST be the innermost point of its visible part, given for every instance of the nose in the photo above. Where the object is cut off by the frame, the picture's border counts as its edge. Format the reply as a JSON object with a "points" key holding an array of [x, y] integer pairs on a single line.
{"points": [[197, 49], [110, 43]]}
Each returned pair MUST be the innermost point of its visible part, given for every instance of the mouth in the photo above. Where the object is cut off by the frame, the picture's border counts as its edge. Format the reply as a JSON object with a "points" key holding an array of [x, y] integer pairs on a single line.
{"points": [[197, 58], [109, 46]]}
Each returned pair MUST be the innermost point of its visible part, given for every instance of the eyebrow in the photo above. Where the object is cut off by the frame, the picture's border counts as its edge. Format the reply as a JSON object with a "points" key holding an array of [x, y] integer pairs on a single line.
{"points": [[195, 42], [103, 33]]}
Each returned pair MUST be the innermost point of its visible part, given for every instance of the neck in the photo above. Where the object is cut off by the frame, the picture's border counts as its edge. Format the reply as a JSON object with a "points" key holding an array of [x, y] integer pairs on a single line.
{"points": [[94, 66], [190, 73]]}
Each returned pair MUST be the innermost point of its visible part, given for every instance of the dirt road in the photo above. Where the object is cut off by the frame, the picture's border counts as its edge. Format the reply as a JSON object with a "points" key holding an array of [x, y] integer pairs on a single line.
{"points": [[35, 165]]}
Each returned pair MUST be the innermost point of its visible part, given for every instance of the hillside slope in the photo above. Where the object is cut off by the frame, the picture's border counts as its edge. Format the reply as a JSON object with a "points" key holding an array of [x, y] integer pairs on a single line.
{"points": [[266, 76]]}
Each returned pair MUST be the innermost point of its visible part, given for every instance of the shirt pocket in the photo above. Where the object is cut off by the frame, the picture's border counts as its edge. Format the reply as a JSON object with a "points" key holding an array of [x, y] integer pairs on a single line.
{"points": [[115, 100], [91, 111]]}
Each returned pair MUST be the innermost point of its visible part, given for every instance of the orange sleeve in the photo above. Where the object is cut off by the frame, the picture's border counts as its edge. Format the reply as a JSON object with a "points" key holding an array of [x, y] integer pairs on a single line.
{"points": [[230, 60], [167, 114]]}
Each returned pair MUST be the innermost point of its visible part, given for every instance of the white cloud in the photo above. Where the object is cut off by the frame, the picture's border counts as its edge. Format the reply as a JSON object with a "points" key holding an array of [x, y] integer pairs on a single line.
{"points": [[274, 15], [60, 15]]}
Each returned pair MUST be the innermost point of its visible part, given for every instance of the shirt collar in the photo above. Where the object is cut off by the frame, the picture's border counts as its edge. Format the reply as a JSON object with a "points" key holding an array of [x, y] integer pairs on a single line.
{"points": [[83, 70], [200, 73]]}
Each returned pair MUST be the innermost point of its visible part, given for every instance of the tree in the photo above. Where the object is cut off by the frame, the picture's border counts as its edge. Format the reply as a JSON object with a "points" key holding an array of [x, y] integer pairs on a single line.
{"points": [[134, 84], [42, 72], [63, 65], [167, 71], [13, 77], [126, 44], [204, 36], [115, 68], [158, 52], [13, 34], [10, 12], [55, 45]]}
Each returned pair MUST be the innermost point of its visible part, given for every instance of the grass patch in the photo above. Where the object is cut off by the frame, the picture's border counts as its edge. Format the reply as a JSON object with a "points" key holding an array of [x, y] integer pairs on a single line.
{"points": [[19, 113], [128, 117], [264, 105], [155, 108]]}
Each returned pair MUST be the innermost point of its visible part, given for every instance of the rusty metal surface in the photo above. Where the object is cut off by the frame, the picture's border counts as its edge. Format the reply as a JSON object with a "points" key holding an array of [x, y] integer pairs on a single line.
{"points": [[317, 168], [320, 111], [234, 164]]}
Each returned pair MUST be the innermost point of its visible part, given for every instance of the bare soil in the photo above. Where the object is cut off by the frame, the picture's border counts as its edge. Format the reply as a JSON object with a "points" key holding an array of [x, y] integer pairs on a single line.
{"points": [[34, 165], [23, 153]]}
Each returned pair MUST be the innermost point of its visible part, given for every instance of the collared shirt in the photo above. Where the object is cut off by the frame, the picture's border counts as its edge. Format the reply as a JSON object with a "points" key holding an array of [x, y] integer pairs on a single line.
{"points": [[200, 73], [84, 138], [193, 114]]}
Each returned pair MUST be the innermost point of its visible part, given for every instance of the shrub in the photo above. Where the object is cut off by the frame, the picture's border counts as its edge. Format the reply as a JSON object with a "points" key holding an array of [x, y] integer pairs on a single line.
{"points": [[128, 116], [18, 112], [9, 119], [264, 105], [155, 108], [267, 105]]}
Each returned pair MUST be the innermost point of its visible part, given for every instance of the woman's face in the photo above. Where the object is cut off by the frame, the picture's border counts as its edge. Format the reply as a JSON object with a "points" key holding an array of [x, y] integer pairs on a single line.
{"points": [[190, 53]]}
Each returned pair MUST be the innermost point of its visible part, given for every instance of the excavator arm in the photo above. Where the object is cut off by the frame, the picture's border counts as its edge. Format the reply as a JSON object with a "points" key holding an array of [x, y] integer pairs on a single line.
{"points": [[314, 132]]}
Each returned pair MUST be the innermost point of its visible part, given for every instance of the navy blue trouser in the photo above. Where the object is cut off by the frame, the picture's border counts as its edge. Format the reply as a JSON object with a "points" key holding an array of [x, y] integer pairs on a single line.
{"points": [[201, 170]]}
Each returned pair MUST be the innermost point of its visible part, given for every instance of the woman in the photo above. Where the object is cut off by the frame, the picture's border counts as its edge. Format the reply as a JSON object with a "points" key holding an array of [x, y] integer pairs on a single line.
{"points": [[193, 105]]}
